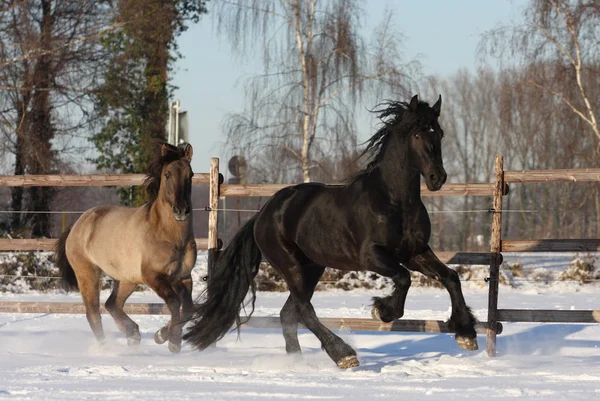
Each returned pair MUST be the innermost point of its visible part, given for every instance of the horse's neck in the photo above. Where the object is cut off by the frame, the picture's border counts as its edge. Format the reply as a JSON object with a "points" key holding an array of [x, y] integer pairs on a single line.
{"points": [[163, 223], [402, 181]]}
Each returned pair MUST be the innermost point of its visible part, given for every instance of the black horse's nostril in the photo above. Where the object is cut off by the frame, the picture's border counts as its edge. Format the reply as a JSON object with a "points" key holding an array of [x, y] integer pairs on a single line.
{"points": [[433, 177], [175, 210]]}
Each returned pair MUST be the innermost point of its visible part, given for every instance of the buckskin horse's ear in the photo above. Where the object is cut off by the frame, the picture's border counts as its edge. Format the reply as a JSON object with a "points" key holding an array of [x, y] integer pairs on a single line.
{"points": [[414, 103], [165, 148], [437, 107], [188, 151]]}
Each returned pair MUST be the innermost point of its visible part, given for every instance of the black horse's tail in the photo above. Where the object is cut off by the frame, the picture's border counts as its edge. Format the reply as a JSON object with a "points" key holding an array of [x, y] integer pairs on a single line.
{"points": [[67, 274], [228, 285]]}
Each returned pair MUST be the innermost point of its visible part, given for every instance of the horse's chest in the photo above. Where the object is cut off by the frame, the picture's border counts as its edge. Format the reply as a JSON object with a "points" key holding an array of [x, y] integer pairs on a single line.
{"points": [[181, 261], [408, 234]]}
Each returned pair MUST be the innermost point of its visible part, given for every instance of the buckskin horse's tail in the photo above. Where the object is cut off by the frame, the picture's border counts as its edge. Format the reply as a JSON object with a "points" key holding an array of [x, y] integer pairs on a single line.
{"points": [[228, 284], [67, 274]]}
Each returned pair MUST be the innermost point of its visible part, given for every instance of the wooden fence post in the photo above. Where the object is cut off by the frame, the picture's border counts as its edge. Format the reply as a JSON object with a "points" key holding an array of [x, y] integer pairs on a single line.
{"points": [[495, 256], [213, 213]]}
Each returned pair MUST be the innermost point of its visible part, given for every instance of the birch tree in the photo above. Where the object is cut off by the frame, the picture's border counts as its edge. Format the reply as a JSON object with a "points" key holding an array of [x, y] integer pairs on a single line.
{"points": [[316, 68]]}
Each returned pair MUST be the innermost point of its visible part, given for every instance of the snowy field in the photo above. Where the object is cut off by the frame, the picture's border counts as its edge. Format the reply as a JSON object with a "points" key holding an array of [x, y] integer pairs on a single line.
{"points": [[54, 357]]}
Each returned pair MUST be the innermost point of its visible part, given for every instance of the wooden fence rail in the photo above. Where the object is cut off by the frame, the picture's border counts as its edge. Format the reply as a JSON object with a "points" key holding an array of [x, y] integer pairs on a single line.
{"points": [[551, 245], [47, 244], [83, 180], [238, 190], [564, 175], [431, 326]]}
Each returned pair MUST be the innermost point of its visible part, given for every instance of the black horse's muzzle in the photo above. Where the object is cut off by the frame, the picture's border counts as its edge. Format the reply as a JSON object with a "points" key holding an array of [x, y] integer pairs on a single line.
{"points": [[435, 180]]}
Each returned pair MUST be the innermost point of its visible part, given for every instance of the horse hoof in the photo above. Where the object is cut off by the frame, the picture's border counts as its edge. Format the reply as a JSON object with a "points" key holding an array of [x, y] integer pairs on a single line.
{"points": [[160, 337], [467, 343], [375, 314], [348, 362], [174, 348], [134, 340]]}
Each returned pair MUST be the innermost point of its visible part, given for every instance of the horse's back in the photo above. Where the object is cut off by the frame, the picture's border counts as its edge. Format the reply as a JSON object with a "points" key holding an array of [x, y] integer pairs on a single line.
{"points": [[295, 216], [109, 237]]}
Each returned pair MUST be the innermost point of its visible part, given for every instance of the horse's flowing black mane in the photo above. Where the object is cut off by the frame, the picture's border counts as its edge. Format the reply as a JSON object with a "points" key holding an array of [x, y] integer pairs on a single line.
{"points": [[391, 113], [154, 172]]}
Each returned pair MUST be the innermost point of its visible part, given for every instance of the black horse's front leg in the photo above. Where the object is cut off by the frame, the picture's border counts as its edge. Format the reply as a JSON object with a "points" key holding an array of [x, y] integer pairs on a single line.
{"points": [[462, 321], [389, 308]]}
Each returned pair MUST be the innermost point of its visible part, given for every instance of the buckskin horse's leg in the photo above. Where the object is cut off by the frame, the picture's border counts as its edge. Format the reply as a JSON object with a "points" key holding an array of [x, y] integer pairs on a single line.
{"points": [[88, 279], [160, 283], [289, 316], [462, 320], [377, 260], [114, 305], [184, 290]]}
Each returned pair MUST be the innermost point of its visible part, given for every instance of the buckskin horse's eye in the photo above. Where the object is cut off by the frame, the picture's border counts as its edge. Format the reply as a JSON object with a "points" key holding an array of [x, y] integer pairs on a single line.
{"points": [[167, 175]]}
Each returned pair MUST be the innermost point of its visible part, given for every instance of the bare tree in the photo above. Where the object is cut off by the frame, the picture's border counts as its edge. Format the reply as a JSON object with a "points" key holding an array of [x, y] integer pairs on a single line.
{"points": [[563, 37], [47, 69], [316, 68]]}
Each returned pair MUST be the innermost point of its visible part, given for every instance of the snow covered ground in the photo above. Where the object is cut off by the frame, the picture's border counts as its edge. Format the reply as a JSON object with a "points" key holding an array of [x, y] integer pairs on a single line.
{"points": [[54, 357]]}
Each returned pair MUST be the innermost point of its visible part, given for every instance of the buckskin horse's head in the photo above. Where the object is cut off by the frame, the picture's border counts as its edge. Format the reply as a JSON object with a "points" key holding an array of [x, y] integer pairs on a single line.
{"points": [[170, 178]]}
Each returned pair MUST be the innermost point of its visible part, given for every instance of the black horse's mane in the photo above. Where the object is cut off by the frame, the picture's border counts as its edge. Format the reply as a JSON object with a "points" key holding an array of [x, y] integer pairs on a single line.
{"points": [[154, 172], [391, 113]]}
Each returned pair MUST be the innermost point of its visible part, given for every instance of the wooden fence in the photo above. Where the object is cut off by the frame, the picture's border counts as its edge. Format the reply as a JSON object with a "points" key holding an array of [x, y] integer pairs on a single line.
{"points": [[214, 179]]}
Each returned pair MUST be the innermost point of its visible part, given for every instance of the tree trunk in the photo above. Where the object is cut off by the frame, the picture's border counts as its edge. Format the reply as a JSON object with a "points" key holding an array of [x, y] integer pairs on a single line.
{"points": [[41, 129]]}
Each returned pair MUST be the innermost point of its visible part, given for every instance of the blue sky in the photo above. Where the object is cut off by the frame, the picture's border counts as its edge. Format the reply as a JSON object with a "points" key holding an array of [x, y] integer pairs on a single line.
{"points": [[442, 34]]}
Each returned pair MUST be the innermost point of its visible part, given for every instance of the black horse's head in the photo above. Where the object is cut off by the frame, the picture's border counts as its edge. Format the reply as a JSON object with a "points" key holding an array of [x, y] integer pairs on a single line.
{"points": [[410, 138], [425, 141], [170, 179]]}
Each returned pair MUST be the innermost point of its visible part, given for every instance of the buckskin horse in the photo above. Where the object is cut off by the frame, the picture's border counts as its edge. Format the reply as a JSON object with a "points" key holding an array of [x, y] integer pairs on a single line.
{"points": [[376, 222], [152, 244]]}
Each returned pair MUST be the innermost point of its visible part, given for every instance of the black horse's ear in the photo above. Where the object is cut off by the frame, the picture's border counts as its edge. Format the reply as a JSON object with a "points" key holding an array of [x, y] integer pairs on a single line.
{"points": [[414, 103], [437, 107], [188, 151]]}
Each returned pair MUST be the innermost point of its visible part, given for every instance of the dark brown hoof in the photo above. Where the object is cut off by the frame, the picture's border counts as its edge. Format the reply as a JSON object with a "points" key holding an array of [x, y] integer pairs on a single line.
{"points": [[161, 336], [348, 362], [470, 344], [375, 314], [174, 348]]}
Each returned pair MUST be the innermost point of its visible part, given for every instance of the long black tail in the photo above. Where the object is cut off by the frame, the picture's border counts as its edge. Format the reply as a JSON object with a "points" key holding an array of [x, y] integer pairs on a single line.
{"points": [[69, 281], [228, 285]]}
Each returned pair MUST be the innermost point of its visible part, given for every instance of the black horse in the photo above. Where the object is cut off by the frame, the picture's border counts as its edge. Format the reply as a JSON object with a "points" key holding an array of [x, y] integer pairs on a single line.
{"points": [[377, 222]]}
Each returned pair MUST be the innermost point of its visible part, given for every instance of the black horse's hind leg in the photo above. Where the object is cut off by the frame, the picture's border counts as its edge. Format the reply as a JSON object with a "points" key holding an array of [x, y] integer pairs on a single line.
{"points": [[289, 315], [290, 267], [379, 261], [462, 320], [114, 305]]}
